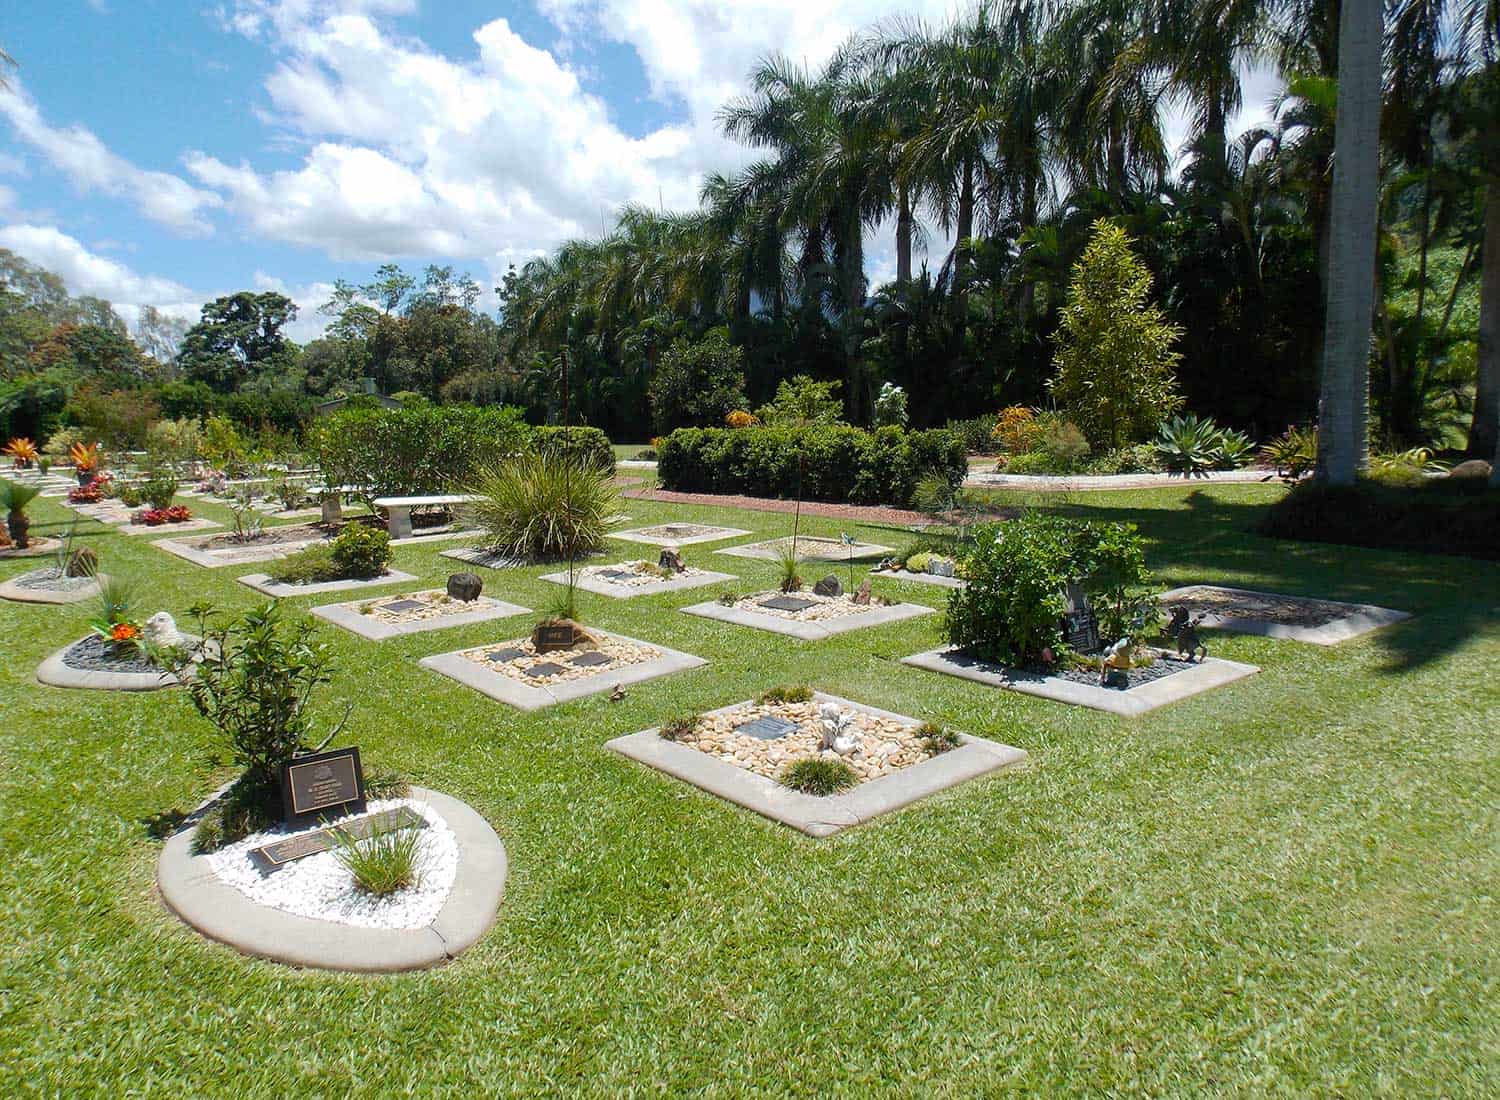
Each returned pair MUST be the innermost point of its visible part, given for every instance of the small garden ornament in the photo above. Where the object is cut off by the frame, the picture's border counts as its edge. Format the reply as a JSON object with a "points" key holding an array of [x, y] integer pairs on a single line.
{"points": [[1184, 632], [1116, 659]]}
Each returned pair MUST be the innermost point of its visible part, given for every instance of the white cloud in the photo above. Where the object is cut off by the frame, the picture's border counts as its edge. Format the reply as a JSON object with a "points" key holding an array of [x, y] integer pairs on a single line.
{"points": [[91, 166], [87, 272]]}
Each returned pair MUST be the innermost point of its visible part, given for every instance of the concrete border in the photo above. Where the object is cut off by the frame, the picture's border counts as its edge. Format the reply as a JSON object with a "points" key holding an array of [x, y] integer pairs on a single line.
{"points": [[819, 816], [477, 555], [56, 673], [193, 893], [635, 535], [263, 584], [653, 588], [109, 514], [10, 590], [38, 548], [1213, 672], [1361, 618], [200, 524], [762, 551], [241, 555], [500, 687], [808, 632], [347, 615], [919, 578]]}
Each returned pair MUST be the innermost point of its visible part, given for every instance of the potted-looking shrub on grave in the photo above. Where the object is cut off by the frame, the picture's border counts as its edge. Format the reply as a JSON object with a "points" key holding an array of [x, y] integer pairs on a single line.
{"points": [[358, 552]]}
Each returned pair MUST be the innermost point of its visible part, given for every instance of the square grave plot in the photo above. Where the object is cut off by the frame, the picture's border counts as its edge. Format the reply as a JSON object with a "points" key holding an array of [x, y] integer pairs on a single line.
{"points": [[1271, 615], [1083, 689], [809, 548], [413, 613], [769, 728], [478, 555], [217, 551], [920, 578], [809, 617], [898, 770], [622, 581], [683, 534], [511, 679], [262, 582]]}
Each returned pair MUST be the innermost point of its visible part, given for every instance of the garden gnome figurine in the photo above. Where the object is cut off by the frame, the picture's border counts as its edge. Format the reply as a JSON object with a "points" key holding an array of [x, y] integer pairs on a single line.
{"points": [[1116, 658]]}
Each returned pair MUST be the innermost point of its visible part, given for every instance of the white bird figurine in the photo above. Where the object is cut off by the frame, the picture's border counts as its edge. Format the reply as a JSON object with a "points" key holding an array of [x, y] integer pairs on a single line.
{"points": [[836, 733]]}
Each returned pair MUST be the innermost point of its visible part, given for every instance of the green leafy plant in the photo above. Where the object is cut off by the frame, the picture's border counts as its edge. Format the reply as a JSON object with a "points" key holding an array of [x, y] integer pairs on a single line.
{"points": [[313, 564], [114, 622], [130, 496], [383, 863], [788, 565], [818, 776], [698, 384], [247, 522], [159, 489], [290, 494], [799, 693], [1293, 453], [361, 550], [890, 406], [15, 498], [676, 728], [937, 739], [801, 402], [543, 505], [1191, 444]]}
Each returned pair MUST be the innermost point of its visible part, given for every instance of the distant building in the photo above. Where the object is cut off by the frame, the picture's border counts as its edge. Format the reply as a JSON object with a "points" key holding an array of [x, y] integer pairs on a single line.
{"points": [[323, 408]]}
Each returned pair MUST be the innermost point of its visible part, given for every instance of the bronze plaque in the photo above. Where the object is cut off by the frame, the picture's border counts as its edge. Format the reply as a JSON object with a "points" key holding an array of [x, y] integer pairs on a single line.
{"points": [[322, 782], [548, 639], [279, 852]]}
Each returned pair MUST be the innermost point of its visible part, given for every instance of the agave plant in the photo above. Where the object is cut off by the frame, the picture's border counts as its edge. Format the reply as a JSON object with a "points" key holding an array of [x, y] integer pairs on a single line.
{"points": [[22, 450], [1188, 444], [14, 499], [542, 505]]}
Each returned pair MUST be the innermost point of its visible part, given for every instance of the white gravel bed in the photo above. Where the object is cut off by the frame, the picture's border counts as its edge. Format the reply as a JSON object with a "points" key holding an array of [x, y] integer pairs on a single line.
{"points": [[823, 607], [321, 887], [620, 651], [642, 573], [435, 604]]}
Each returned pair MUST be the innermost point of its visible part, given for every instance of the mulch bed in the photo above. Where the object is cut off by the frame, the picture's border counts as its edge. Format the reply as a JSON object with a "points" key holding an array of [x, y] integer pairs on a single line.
{"points": [[94, 654]]}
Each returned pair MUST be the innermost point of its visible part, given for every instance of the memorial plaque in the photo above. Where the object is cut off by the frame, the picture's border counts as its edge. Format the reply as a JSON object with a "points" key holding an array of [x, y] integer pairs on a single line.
{"points": [[617, 574], [787, 603], [281, 852], [767, 728], [548, 637], [589, 659], [546, 668], [504, 656], [1080, 624], [403, 605], [320, 783]]}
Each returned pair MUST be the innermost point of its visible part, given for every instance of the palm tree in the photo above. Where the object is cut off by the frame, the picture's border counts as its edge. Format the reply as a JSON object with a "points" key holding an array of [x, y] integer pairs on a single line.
{"points": [[1343, 403]]}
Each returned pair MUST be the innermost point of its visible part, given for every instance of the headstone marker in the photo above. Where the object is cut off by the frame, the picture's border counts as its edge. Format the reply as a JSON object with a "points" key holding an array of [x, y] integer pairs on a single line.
{"points": [[545, 669], [767, 728], [322, 783], [787, 603]]}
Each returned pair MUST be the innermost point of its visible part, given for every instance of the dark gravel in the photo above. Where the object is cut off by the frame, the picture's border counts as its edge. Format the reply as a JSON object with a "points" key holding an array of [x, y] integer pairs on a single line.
{"points": [[52, 580], [1131, 678], [94, 654]]}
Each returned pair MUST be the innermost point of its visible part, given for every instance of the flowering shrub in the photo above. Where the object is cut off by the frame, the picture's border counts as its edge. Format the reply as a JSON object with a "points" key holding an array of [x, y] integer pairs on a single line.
{"points": [[739, 418], [155, 517], [92, 493], [1016, 429]]}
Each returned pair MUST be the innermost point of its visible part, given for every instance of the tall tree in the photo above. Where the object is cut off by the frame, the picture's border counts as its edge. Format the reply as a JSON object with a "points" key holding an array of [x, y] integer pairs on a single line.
{"points": [[238, 338]]}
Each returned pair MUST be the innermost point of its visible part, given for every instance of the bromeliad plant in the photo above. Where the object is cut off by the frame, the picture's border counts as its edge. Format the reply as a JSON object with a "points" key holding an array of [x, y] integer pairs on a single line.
{"points": [[115, 623], [15, 498], [23, 452], [87, 459]]}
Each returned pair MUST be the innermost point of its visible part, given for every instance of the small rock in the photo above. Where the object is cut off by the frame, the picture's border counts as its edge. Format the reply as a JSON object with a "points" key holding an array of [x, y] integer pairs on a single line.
{"points": [[671, 559], [828, 586], [465, 586], [1476, 468]]}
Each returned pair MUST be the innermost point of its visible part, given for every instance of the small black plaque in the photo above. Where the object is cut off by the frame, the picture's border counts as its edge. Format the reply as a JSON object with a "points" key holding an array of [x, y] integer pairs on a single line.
{"points": [[589, 659], [767, 728], [322, 782], [787, 603], [546, 668], [547, 637], [504, 656], [402, 605], [617, 574], [280, 852], [1080, 623]]}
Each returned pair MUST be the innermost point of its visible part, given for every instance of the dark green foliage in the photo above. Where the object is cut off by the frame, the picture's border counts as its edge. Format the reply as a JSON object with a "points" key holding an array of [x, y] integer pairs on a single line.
{"points": [[786, 694], [1435, 516], [976, 432], [835, 462], [313, 564], [815, 775], [159, 489], [589, 446], [361, 550], [1191, 444], [698, 384], [1017, 572], [238, 339]]}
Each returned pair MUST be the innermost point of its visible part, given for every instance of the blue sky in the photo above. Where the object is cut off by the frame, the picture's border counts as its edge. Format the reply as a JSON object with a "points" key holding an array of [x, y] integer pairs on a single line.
{"points": [[158, 152]]}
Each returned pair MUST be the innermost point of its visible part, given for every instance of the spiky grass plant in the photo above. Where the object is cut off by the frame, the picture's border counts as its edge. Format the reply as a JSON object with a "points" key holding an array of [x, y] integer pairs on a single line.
{"points": [[15, 498], [544, 506], [815, 775], [799, 693], [788, 559], [384, 862]]}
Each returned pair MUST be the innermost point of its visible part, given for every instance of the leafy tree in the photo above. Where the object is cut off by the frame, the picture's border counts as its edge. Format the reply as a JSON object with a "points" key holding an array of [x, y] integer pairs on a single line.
{"points": [[1115, 358], [698, 384], [238, 338]]}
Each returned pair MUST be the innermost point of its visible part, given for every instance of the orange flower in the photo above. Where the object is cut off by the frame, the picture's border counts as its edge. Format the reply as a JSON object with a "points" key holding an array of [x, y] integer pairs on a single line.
{"points": [[124, 632]]}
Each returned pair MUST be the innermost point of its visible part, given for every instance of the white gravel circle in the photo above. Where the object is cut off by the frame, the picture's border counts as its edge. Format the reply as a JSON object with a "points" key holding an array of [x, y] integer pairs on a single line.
{"points": [[322, 888]]}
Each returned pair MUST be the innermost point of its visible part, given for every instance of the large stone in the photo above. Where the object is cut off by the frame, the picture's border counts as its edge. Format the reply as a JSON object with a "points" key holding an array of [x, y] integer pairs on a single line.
{"points": [[828, 586], [1476, 468], [465, 586], [862, 596], [671, 559]]}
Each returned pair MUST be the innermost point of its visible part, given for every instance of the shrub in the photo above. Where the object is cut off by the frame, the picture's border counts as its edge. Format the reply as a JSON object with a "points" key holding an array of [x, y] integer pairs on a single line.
{"points": [[698, 385], [739, 418], [975, 433], [816, 775], [130, 496], [890, 406], [802, 402], [175, 441], [786, 694], [159, 489], [361, 550], [540, 505], [836, 462], [1116, 361], [1015, 429], [1293, 453], [313, 564], [1189, 444], [1434, 515], [937, 739], [675, 729], [383, 863], [1017, 572], [589, 446]]}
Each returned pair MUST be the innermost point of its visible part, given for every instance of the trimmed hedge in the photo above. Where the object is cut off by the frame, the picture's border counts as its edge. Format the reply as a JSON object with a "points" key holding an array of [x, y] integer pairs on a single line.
{"points": [[589, 444], [840, 463], [1438, 516]]}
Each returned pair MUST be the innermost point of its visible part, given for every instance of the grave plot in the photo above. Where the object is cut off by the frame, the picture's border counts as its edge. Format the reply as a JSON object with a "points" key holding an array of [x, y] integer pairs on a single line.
{"points": [[809, 548], [923, 577], [479, 555], [169, 527], [515, 672], [1271, 615], [234, 548], [413, 612], [37, 548], [623, 580], [807, 614], [279, 589], [682, 534], [50, 585], [1132, 691], [816, 762], [98, 664]]}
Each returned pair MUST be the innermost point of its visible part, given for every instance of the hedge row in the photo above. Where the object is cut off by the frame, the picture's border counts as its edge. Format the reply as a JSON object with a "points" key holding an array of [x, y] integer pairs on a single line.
{"points": [[834, 463], [421, 448]]}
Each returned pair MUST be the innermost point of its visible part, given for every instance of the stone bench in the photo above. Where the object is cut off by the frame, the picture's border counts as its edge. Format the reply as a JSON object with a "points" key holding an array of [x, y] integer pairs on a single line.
{"points": [[398, 509]]}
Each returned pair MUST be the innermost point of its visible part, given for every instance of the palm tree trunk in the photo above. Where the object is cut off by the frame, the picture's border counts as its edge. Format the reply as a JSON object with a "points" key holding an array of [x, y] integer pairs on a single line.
{"points": [[1344, 397], [962, 231], [903, 237], [1484, 431]]}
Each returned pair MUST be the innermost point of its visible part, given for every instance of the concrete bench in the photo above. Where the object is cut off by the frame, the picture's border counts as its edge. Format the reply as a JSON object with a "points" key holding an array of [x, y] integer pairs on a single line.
{"points": [[398, 509]]}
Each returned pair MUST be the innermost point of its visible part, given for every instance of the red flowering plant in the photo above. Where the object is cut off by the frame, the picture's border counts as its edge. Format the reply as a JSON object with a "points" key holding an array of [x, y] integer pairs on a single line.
{"points": [[115, 624], [92, 493], [155, 517]]}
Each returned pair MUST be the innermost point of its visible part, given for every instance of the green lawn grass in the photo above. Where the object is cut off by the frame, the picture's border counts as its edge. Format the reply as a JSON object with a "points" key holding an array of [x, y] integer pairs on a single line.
{"points": [[1287, 885]]}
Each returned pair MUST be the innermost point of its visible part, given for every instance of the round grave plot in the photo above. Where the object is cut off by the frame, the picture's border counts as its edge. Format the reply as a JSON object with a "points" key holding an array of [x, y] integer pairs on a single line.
{"points": [[49, 585], [296, 903], [95, 664], [36, 548]]}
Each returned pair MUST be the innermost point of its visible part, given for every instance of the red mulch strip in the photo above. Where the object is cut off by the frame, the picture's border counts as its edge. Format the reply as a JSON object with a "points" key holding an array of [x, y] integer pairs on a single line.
{"points": [[904, 517]]}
